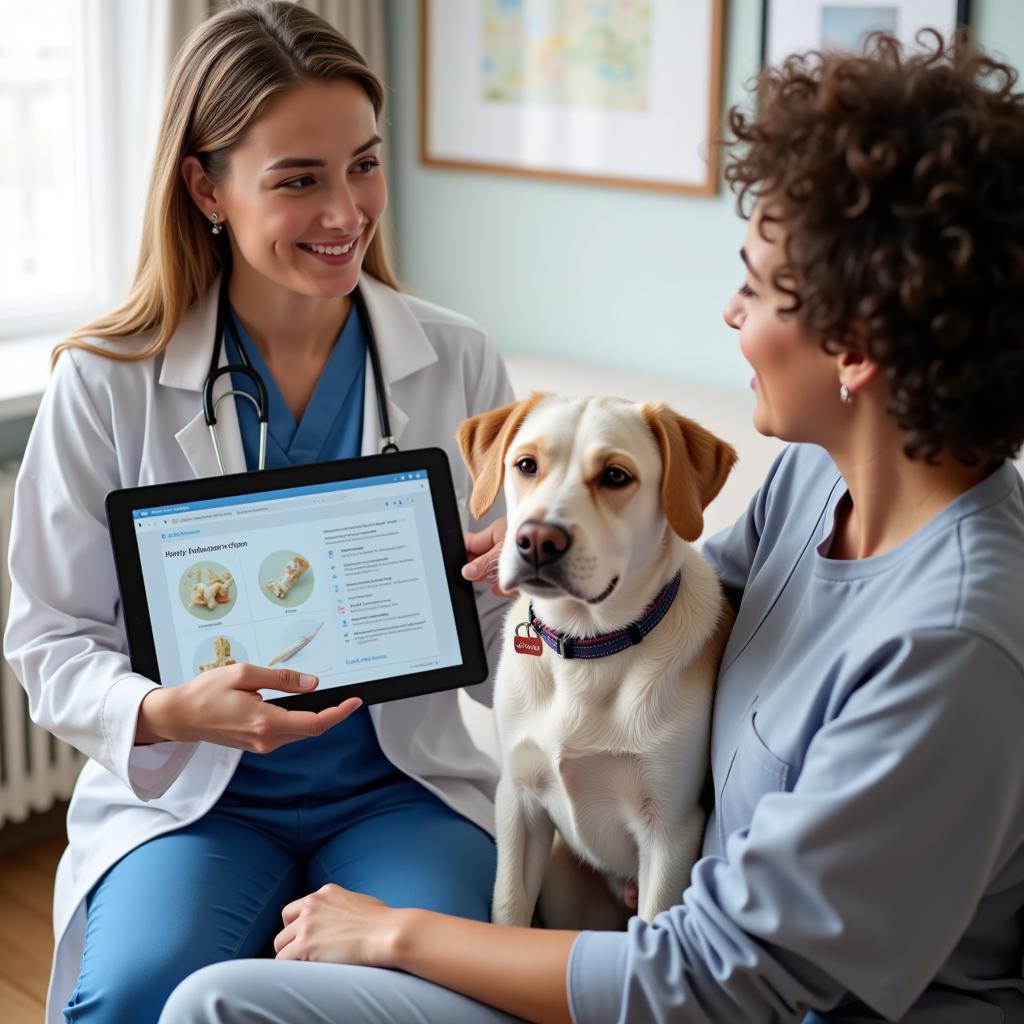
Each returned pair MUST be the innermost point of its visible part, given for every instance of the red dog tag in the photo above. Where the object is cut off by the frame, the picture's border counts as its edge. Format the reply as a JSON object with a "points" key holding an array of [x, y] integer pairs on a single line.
{"points": [[527, 644]]}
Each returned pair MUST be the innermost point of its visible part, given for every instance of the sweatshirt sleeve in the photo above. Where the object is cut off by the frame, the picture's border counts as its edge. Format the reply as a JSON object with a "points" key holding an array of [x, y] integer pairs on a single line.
{"points": [[732, 551], [65, 637], [862, 879]]}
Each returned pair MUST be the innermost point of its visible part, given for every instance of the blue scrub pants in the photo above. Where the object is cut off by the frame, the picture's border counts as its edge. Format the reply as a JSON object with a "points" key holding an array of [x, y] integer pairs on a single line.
{"points": [[214, 890]]}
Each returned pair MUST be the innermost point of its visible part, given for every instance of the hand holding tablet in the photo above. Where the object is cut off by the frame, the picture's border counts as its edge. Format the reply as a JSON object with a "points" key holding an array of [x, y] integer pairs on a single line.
{"points": [[347, 571]]}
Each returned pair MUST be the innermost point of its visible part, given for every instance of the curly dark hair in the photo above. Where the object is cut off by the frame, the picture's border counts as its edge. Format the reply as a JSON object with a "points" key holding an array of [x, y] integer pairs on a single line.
{"points": [[899, 181]]}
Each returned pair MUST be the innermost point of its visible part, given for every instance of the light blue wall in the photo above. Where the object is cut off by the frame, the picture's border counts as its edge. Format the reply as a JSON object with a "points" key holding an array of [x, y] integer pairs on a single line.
{"points": [[1000, 27], [613, 276]]}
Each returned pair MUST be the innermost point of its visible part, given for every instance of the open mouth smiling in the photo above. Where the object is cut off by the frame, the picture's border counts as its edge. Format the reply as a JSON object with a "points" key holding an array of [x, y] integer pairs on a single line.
{"points": [[328, 250]]}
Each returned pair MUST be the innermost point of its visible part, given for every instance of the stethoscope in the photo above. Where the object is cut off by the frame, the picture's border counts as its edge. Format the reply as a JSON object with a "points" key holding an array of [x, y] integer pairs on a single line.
{"points": [[227, 322]]}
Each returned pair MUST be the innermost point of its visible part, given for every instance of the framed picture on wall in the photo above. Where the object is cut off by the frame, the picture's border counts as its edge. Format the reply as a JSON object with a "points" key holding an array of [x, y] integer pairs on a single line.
{"points": [[616, 92], [795, 26]]}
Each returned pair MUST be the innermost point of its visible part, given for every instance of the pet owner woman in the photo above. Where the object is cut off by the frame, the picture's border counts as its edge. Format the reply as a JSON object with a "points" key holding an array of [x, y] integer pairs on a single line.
{"points": [[203, 811], [865, 860]]}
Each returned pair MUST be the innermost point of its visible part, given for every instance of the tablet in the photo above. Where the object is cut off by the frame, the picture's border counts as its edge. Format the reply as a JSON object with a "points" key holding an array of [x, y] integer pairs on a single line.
{"points": [[348, 570]]}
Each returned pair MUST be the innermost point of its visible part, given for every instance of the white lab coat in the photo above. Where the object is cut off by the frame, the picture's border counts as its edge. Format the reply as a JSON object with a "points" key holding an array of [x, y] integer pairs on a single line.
{"points": [[103, 425]]}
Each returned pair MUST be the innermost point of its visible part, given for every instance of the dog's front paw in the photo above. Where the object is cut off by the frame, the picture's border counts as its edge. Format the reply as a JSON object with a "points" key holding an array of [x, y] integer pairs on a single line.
{"points": [[648, 911], [513, 915]]}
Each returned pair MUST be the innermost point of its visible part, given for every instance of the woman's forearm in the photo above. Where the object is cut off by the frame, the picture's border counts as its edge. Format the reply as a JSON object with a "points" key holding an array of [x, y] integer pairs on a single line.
{"points": [[519, 970]]}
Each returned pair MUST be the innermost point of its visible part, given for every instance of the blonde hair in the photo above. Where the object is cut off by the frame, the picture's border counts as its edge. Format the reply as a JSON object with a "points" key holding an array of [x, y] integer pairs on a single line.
{"points": [[226, 73]]}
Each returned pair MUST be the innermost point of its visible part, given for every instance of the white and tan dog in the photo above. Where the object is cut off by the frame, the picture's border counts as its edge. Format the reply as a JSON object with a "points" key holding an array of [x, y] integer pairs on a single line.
{"points": [[610, 749]]}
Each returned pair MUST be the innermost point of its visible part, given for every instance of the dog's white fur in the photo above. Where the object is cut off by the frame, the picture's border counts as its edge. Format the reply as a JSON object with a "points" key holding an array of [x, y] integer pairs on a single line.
{"points": [[611, 752]]}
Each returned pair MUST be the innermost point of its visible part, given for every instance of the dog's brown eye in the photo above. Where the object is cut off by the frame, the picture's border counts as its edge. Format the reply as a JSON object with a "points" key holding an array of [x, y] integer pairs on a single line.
{"points": [[614, 476], [527, 466]]}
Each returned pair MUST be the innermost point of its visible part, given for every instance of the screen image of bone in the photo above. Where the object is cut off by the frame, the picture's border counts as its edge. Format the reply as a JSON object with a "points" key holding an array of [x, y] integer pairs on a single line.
{"points": [[208, 590], [296, 646], [218, 652], [286, 578]]}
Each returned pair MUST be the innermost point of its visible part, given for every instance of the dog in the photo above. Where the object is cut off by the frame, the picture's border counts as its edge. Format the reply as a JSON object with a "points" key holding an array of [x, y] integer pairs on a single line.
{"points": [[604, 688]]}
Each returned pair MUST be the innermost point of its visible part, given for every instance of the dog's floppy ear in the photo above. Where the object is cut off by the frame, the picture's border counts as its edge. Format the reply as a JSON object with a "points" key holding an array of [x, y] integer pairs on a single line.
{"points": [[694, 465], [483, 441]]}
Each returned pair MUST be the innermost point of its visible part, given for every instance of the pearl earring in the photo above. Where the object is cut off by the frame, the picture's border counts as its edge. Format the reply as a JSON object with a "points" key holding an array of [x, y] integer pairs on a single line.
{"points": [[844, 394], [217, 228]]}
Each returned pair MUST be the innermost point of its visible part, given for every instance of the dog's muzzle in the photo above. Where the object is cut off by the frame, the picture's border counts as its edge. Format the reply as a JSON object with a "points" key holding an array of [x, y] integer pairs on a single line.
{"points": [[541, 544]]}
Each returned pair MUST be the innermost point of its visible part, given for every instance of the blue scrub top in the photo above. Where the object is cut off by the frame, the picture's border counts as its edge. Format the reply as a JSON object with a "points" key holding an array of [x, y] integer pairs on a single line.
{"points": [[347, 759], [332, 425]]}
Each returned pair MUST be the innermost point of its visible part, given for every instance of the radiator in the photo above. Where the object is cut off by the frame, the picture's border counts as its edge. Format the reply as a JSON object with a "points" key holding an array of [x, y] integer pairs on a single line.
{"points": [[36, 770]]}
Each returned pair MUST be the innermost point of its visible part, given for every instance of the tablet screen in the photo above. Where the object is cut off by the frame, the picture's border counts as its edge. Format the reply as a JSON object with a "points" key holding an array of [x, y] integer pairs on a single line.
{"points": [[343, 580]]}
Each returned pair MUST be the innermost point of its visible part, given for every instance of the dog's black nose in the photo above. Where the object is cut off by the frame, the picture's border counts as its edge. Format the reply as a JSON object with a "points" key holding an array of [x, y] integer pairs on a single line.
{"points": [[542, 543]]}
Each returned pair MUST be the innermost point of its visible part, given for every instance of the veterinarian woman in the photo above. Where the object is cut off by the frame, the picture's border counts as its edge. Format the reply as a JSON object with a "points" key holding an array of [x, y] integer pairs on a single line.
{"points": [[865, 860], [202, 811]]}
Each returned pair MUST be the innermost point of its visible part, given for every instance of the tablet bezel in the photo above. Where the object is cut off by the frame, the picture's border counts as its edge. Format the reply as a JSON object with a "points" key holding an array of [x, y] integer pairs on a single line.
{"points": [[120, 505]]}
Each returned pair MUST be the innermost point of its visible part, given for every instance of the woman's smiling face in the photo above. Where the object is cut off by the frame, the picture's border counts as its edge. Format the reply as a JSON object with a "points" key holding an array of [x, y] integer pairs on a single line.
{"points": [[795, 381], [304, 190]]}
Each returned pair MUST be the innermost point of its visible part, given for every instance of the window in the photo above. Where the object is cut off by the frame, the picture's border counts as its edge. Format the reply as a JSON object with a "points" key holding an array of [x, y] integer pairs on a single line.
{"points": [[66, 251]]}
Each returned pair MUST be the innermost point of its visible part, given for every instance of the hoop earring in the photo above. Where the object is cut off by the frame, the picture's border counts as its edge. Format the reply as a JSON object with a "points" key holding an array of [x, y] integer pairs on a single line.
{"points": [[217, 228], [844, 394]]}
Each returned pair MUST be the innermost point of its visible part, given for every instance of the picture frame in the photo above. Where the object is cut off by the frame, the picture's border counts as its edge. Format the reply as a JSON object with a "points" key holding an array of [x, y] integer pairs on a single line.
{"points": [[796, 26], [622, 94]]}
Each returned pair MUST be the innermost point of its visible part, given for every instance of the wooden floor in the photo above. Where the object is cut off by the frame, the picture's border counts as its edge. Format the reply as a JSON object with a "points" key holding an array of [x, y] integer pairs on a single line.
{"points": [[26, 933]]}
